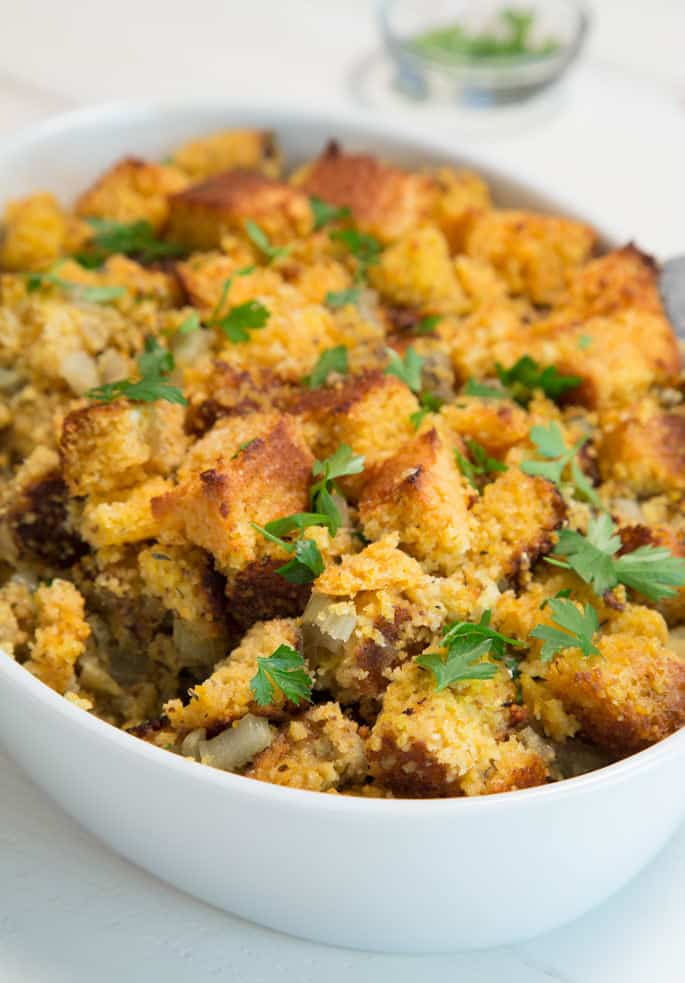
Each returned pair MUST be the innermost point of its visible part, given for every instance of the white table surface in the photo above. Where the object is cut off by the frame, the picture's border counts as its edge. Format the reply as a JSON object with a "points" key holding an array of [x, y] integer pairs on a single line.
{"points": [[70, 910]]}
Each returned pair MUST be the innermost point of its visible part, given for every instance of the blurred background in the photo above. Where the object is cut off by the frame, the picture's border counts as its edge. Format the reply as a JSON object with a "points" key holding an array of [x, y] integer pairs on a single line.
{"points": [[611, 134]]}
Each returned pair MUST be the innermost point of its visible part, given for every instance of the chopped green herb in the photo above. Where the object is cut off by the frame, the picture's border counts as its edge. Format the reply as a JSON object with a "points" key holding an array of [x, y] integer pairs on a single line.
{"points": [[343, 462], [482, 389], [428, 324], [78, 291], [283, 670], [191, 323], [332, 360], [226, 286], [478, 464], [240, 320], [260, 239], [572, 629], [407, 369], [297, 521], [130, 238], [526, 375], [366, 249], [466, 644], [307, 563], [335, 299], [650, 570], [154, 364], [430, 403], [323, 213], [584, 342], [550, 444]]}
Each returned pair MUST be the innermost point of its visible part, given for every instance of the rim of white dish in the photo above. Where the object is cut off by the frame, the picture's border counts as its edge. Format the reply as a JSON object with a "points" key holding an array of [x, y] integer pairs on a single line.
{"points": [[367, 124]]}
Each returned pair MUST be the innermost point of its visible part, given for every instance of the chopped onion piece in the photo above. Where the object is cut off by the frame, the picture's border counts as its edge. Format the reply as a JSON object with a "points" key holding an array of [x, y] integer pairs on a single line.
{"points": [[333, 618], [190, 748], [235, 746]]}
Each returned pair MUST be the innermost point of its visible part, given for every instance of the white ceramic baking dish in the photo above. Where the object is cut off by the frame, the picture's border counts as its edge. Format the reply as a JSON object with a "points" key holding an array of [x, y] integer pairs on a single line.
{"points": [[390, 875]]}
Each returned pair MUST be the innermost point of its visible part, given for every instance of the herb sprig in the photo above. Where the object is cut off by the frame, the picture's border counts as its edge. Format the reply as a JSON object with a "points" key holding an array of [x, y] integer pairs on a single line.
{"points": [[550, 444], [154, 364], [78, 291], [650, 570], [340, 464], [467, 643], [284, 670], [407, 369], [479, 464], [572, 628], [237, 322], [521, 380], [136, 239], [331, 360], [260, 239], [323, 213]]}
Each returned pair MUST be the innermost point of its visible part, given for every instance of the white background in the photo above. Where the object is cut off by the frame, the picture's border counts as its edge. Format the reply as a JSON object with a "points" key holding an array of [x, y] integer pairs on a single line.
{"points": [[69, 909]]}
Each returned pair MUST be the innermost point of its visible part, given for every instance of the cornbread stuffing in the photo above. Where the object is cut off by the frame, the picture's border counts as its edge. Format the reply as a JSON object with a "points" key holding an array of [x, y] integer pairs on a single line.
{"points": [[342, 478]]}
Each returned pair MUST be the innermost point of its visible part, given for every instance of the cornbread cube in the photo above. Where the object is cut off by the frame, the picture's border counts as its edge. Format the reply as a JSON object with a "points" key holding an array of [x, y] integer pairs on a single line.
{"points": [[132, 190], [624, 279], [632, 537], [535, 254], [428, 744], [111, 446], [124, 516], [204, 213], [35, 524], [17, 616], [226, 695], [36, 232], [495, 332], [644, 446], [513, 522], [320, 751], [229, 437], [462, 193], [60, 636], [497, 425], [229, 392], [629, 696], [185, 581], [369, 412], [204, 275], [416, 270], [215, 509], [228, 150], [420, 492], [384, 200]]}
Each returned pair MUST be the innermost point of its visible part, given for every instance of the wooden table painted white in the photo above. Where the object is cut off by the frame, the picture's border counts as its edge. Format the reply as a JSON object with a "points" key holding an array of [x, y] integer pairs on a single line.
{"points": [[70, 910]]}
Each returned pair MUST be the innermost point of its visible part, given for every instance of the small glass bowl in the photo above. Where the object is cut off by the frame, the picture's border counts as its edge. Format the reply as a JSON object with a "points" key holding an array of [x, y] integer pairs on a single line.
{"points": [[479, 81]]}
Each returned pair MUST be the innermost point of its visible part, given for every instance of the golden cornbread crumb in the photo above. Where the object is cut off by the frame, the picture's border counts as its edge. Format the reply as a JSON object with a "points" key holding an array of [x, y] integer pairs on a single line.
{"points": [[228, 150], [133, 190], [60, 636]]}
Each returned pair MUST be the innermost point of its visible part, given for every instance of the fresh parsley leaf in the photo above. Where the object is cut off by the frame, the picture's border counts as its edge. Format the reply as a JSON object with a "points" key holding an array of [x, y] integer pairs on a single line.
{"points": [[332, 360], [260, 239], [240, 320], [215, 316], [343, 462], [298, 520], [307, 563], [584, 342], [407, 369], [466, 644], [365, 248], [335, 299], [323, 213], [130, 238], [428, 324], [572, 629], [283, 670], [650, 570], [78, 291], [526, 375], [430, 403], [482, 389], [479, 464], [191, 323], [154, 364], [550, 444]]}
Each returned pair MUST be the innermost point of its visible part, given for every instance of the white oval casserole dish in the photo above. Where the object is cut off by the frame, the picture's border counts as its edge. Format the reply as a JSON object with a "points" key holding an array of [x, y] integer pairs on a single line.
{"points": [[398, 875]]}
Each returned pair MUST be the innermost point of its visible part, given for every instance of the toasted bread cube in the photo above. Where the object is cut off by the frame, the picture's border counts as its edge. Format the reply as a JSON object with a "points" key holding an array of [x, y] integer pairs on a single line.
{"points": [[428, 744], [513, 522], [60, 636], [462, 194], [384, 200], [123, 517], [626, 698], [644, 446], [226, 695], [497, 425], [369, 412], [36, 232], [215, 509], [132, 190], [416, 270], [184, 580], [495, 332], [228, 150], [111, 446], [228, 392], [633, 537], [624, 279], [320, 751], [534, 253], [420, 492], [204, 213]]}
